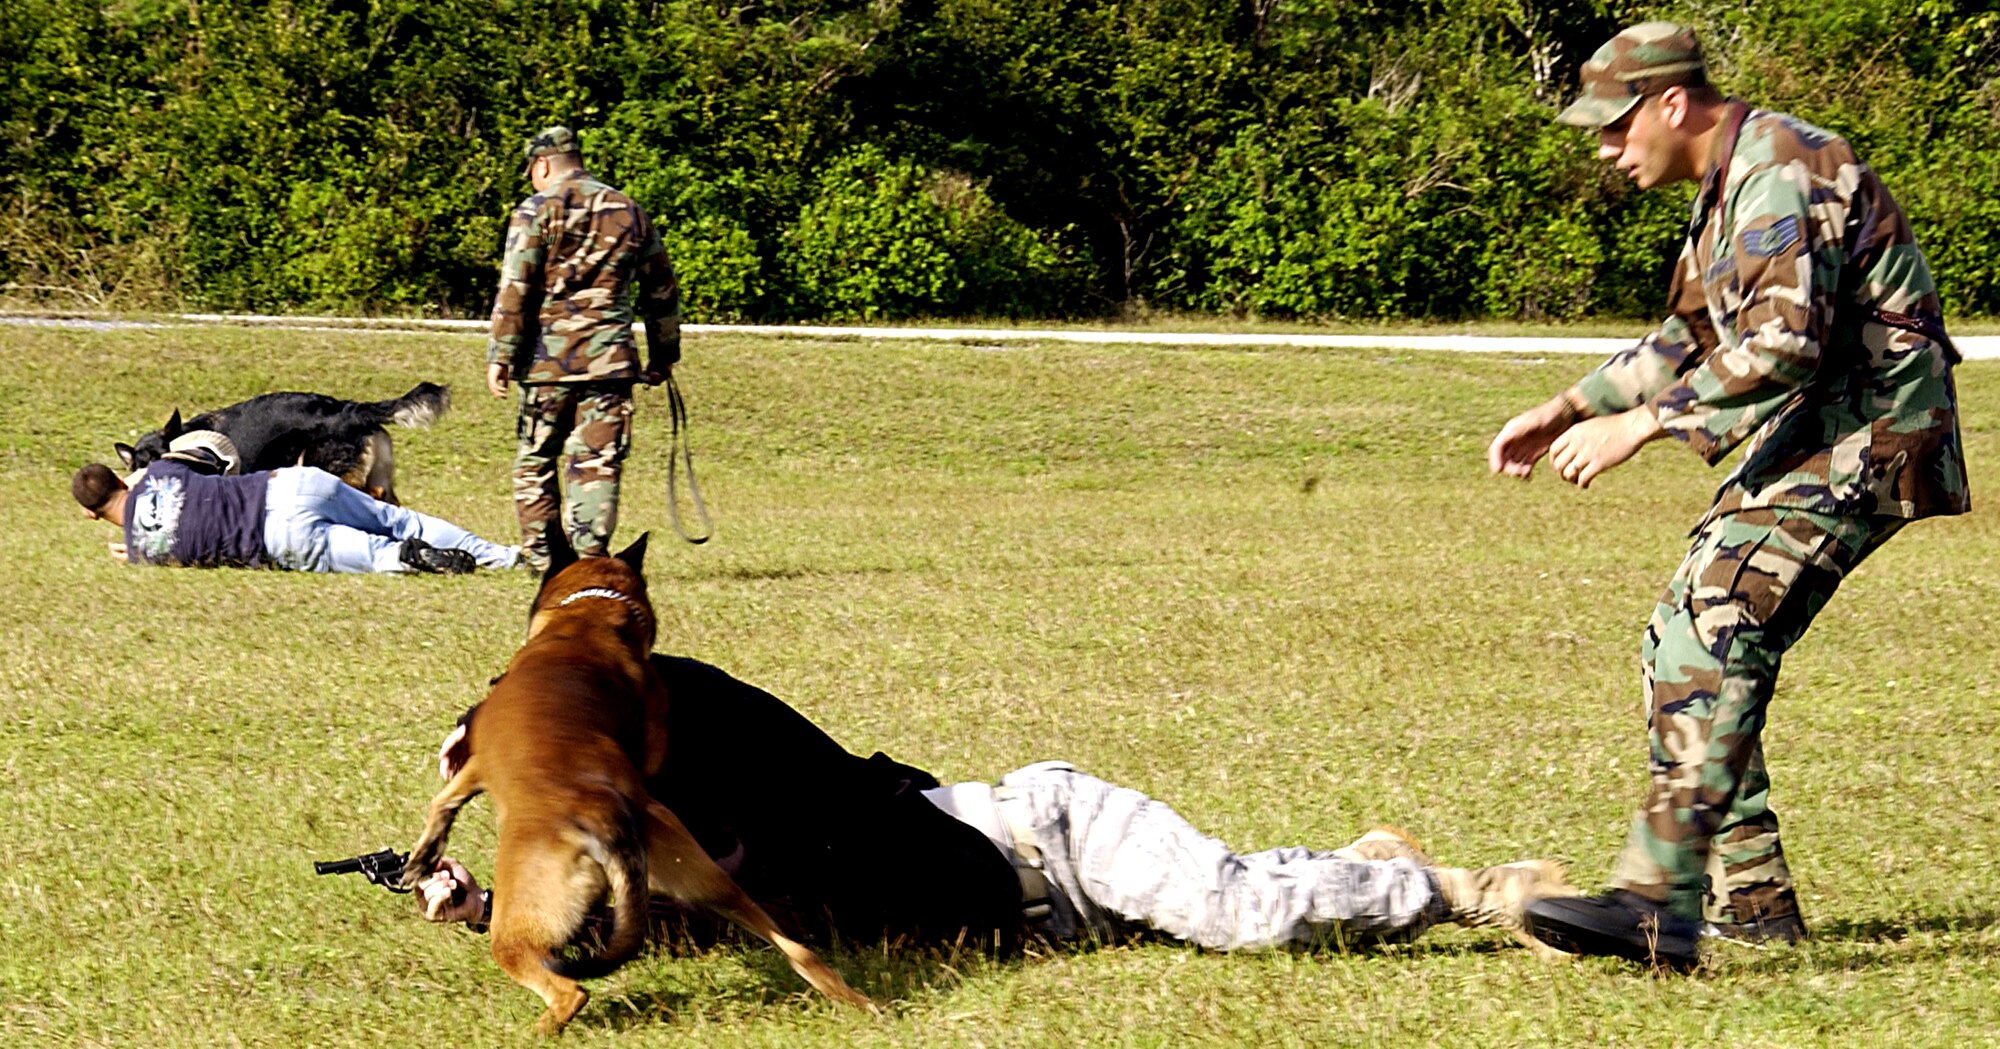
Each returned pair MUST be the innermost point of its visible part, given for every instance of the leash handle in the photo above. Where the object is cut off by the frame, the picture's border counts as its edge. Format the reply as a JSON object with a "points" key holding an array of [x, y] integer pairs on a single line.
{"points": [[679, 453]]}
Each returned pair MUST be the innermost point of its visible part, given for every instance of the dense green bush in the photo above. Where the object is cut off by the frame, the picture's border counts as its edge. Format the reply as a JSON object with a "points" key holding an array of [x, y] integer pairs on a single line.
{"points": [[714, 253], [1298, 228], [890, 238], [1957, 196], [890, 158]]}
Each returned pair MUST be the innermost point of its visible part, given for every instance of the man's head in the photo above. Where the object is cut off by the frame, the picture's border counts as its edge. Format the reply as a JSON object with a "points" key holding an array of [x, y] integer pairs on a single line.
{"points": [[100, 492], [1646, 94], [551, 154]]}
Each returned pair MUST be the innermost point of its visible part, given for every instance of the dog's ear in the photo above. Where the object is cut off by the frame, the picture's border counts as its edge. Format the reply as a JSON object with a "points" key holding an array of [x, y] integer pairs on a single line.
{"points": [[635, 555], [173, 427], [124, 453]]}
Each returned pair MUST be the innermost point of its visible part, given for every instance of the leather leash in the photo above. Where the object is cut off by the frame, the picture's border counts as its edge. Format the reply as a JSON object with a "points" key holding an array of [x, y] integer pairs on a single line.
{"points": [[678, 454]]}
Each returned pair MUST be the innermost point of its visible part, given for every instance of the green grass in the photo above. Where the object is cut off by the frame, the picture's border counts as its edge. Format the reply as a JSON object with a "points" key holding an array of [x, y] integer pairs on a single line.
{"points": [[1275, 588]]}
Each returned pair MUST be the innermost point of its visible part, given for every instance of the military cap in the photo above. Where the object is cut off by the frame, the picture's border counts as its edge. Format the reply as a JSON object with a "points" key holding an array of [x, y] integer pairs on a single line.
{"points": [[1639, 61], [549, 142]]}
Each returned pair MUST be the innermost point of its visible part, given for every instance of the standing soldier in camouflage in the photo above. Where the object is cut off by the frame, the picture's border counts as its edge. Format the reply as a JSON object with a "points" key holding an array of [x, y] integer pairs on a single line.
{"points": [[1805, 321], [582, 259]]}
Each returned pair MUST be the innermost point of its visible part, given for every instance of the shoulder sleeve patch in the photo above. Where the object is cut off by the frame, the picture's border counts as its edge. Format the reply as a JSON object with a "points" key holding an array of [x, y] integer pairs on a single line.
{"points": [[1773, 240]]}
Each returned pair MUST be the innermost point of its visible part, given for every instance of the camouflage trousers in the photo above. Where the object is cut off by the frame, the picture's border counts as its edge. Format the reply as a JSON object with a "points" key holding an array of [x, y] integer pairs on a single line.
{"points": [[589, 427], [1119, 863], [1705, 841]]}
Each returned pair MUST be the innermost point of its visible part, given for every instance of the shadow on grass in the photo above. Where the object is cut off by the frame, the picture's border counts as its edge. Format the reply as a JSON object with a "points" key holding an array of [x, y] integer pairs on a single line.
{"points": [[1868, 946], [785, 573], [754, 977], [747, 975], [1902, 928]]}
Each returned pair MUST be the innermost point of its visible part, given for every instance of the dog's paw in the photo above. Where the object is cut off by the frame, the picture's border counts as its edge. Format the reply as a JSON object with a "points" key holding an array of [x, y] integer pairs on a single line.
{"points": [[419, 866], [562, 1008]]}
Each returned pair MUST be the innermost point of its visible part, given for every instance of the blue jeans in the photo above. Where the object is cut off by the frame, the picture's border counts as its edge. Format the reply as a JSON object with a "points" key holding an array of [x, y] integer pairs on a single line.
{"points": [[315, 523]]}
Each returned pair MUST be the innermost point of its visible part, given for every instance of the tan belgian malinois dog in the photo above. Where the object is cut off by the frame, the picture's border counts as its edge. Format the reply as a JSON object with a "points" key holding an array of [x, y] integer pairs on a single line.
{"points": [[564, 742]]}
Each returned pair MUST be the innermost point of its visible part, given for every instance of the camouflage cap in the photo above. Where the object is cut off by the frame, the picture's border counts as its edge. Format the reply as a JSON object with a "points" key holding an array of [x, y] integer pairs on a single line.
{"points": [[1639, 61], [549, 142]]}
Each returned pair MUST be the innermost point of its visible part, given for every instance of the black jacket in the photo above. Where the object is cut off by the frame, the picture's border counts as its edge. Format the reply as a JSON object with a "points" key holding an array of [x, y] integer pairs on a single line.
{"points": [[830, 842]]}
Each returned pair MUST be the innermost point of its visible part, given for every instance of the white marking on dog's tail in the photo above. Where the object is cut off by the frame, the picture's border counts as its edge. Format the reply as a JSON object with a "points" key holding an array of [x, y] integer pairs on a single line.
{"points": [[421, 406]]}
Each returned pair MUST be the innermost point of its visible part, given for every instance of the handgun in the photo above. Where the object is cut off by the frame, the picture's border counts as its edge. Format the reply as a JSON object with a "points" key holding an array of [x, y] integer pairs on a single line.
{"points": [[384, 868]]}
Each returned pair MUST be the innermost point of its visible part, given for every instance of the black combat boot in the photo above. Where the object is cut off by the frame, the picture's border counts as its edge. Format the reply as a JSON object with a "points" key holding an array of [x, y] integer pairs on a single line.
{"points": [[1620, 924]]}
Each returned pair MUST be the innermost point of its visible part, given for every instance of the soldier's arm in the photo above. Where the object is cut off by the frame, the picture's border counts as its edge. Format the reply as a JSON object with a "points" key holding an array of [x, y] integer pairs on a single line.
{"points": [[1630, 378], [518, 305], [659, 302], [1787, 286]]}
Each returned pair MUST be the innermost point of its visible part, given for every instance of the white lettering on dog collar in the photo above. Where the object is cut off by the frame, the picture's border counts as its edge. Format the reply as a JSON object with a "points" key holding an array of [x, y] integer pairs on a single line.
{"points": [[595, 591]]}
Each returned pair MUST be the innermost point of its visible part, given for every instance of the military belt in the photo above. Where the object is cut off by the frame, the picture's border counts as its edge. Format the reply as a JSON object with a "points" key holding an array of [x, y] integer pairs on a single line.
{"points": [[1036, 891]]}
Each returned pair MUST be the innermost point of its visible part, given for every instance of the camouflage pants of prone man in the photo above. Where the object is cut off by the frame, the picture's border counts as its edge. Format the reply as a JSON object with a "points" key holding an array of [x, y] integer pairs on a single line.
{"points": [[1705, 842], [589, 427]]}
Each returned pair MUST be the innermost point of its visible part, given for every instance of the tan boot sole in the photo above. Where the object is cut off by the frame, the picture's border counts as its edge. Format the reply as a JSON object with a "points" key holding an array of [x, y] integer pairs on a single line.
{"points": [[1386, 842]]}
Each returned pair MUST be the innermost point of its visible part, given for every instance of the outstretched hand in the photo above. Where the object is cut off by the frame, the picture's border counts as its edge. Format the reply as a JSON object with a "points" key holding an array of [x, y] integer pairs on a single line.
{"points": [[1527, 437], [1595, 445]]}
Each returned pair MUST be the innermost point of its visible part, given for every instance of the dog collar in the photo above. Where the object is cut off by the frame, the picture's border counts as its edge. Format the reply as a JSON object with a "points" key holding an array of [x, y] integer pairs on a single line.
{"points": [[644, 614], [596, 591]]}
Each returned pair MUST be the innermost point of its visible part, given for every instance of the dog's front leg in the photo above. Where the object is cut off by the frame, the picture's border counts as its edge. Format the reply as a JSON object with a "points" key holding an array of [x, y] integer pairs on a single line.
{"points": [[429, 849]]}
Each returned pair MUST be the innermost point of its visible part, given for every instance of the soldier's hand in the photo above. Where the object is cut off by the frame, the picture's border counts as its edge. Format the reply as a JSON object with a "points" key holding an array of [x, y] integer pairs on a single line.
{"points": [[1595, 445], [118, 552], [1527, 436], [652, 376], [496, 378]]}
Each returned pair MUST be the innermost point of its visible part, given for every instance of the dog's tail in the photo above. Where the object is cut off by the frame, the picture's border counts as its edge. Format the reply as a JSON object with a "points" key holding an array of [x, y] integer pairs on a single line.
{"points": [[417, 409], [620, 849]]}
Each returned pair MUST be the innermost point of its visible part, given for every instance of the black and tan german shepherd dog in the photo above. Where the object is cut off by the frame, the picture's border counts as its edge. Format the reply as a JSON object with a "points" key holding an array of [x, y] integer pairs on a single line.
{"points": [[565, 743], [344, 438]]}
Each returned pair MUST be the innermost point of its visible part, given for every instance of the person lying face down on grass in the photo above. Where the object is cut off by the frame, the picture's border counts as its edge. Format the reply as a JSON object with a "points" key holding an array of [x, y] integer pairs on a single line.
{"points": [[868, 848], [188, 509]]}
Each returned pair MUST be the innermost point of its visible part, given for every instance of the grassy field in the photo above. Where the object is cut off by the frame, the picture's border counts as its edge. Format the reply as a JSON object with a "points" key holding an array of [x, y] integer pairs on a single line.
{"points": [[1275, 588]]}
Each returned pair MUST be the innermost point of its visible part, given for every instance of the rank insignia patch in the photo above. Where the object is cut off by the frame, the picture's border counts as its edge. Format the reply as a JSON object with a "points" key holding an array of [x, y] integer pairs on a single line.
{"points": [[1773, 240]]}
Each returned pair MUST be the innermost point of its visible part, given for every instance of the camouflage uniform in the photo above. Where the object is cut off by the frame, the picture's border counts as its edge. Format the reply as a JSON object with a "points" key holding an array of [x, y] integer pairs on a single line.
{"points": [[582, 260], [1804, 321]]}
